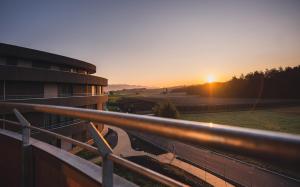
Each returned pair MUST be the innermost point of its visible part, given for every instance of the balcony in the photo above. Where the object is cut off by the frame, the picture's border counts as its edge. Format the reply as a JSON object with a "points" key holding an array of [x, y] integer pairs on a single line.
{"points": [[27, 157], [15, 73], [52, 166], [63, 100]]}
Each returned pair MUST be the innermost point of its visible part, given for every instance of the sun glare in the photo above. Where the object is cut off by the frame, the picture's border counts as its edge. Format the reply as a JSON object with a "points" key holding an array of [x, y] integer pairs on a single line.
{"points": [[210, 79]]}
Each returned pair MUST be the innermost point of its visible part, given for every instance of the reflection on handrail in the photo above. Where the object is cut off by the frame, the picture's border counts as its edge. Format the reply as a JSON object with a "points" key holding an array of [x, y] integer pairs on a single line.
{"points": [[267, 145]]}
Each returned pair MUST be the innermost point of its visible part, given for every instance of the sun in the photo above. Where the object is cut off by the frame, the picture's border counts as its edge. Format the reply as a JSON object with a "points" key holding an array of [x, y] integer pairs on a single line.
{"points": [[210, 78]]}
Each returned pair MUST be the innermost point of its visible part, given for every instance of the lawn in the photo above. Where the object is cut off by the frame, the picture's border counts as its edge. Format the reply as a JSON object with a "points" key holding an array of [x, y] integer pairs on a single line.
{"points": [[285, 119]]}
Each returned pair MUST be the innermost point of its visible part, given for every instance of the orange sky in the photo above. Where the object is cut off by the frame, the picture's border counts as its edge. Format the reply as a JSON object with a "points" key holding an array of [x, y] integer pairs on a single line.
{"points": [[161, 43]]}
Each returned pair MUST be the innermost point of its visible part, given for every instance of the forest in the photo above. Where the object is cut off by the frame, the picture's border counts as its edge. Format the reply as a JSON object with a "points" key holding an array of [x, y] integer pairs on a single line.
{"points": [[271, 83]]}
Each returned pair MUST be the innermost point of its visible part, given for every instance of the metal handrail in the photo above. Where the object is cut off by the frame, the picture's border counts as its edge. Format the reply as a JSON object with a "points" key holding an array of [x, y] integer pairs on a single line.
{"points": [[116, 159], [56, 135], [41, 96], [271, 146]]}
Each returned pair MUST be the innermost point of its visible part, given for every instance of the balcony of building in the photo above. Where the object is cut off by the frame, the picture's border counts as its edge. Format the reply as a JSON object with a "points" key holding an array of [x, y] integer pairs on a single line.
{"points": [[51, 93]]}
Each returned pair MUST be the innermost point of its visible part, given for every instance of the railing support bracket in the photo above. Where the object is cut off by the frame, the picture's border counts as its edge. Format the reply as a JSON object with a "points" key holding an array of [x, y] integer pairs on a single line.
{"points": [[26, 150], [104, 150]]}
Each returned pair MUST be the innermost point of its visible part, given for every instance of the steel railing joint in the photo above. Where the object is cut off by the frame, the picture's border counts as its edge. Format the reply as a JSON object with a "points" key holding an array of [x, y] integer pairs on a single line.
{"points": [[104, 150], [102, 145]]}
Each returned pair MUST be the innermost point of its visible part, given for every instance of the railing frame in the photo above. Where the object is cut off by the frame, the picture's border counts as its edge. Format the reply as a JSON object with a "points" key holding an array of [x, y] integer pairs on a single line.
{"points": [[271, 146], [103, 148]]}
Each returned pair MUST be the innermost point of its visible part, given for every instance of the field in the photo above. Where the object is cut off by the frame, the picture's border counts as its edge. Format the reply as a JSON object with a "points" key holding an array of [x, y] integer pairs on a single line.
{"points": [[285, 119], [267, 114]]}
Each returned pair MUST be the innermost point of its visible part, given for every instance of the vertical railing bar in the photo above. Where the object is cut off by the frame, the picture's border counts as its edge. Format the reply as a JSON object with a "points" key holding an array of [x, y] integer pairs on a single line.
{"points": [[25, 149], [104, 150], [3, 122], [4, 90]]}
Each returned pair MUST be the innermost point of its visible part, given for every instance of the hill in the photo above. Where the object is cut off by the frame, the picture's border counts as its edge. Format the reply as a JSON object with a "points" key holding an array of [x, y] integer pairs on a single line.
{"points": [[274, 83]]}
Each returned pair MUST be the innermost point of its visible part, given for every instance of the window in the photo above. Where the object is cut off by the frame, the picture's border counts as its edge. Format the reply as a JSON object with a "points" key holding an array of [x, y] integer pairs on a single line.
{"points": [[54, 120], [41, 65], [65, 90], [73, 70], [11, 61], [65, 68], [82, 71], [25, 63], [93, 106], [56, 68]]}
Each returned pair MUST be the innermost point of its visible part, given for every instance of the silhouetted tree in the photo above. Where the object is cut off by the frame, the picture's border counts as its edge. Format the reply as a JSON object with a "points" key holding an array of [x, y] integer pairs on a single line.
{"points": [[273, 83], [166, 109]]}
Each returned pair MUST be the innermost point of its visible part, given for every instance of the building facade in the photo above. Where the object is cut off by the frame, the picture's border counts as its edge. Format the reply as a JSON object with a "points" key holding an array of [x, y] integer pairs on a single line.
{"points": [[32, 76]]}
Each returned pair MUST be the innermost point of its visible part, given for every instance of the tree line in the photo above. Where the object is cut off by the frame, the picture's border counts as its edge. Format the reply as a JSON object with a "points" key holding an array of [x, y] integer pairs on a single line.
{"points": [[271, 83]]}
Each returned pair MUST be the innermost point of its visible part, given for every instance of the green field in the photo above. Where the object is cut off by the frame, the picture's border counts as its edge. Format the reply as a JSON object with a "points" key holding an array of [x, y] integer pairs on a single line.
{"points": [[278, 119]]}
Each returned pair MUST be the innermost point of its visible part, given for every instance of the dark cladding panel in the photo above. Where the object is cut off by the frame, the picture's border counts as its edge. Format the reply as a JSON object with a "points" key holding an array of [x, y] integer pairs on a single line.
{"points": [[45, 75], [20, 90], [12, 51]]}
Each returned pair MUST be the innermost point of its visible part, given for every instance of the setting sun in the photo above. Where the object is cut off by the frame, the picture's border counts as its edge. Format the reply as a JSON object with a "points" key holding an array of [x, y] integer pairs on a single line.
{"points": [[210, 79]]}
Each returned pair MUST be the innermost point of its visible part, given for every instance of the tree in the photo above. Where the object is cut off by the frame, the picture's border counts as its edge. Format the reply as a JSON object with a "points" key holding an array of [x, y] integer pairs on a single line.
{"points": [[166, 109], [272, 83]]}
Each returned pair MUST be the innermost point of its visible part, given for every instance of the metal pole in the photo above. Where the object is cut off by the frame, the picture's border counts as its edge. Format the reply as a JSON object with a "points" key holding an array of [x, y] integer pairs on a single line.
{"points": [[105, 150], [25, 149], [3, 122], [4, 90], [107, 172]]}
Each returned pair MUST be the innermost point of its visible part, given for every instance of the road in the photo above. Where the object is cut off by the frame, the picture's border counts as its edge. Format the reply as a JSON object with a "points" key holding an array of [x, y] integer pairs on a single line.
{"points": [[169, 158], [235, 171], [124, 149]]}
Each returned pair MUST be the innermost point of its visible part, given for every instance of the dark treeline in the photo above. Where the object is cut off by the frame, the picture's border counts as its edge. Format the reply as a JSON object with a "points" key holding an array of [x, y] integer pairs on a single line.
{"points": [[273, 83]]}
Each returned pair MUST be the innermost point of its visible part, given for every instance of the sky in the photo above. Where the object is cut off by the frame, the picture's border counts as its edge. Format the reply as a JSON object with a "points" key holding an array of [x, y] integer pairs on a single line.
{"points": [[160, 42]]}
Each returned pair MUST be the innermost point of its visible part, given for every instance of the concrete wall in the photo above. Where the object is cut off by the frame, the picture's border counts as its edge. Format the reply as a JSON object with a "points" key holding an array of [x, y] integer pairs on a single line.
{"points": [[10, 161], [48, 166]]}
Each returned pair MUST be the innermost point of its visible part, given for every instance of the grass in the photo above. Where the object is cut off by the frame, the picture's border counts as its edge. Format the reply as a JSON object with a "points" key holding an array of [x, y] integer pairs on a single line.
{"points": [[285, 119], [87, 154], [135, 177], [165, 169]]}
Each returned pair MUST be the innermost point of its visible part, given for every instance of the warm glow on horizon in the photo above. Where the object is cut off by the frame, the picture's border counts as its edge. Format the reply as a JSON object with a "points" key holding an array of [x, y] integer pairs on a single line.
{"points": [[210, 78], [161, 43]]}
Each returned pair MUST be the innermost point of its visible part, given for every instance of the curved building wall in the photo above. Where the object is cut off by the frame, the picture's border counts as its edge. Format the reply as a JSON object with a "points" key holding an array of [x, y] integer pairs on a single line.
{"points": [[31, 57], [33, 76]]}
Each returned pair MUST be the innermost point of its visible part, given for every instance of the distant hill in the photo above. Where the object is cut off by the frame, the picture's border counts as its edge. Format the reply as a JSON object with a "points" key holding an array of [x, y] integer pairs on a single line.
{"points": [[272, 83], [116, 87]]}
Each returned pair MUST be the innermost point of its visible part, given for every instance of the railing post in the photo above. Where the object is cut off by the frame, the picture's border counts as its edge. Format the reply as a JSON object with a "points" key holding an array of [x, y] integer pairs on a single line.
{"points": [[4, 90], [26, 171], [105, 150]]}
